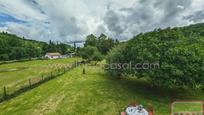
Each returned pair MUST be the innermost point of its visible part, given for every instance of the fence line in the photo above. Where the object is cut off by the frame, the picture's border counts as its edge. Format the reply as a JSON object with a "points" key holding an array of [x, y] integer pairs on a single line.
{"points": [[10, 92]]}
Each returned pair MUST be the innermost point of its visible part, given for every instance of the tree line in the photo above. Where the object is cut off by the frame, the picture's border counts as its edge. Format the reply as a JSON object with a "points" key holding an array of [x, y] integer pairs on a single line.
{"points": [[96, 48], [13, 47]]}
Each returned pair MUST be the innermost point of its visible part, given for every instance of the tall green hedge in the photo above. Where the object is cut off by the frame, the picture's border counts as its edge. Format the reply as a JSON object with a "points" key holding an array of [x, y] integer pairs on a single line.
{"points": [[179, 52]]}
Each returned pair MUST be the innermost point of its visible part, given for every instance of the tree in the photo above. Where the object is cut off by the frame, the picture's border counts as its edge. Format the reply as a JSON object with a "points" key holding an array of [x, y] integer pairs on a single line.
{"points": [[103, 43], [78, 51], [180, 56], [62, 48], [74, 46], [51, 47], [116, 56], [14, 47], [117, 42], [91, 53], [91, 40], [97, 56], [102, 36], [87, 52], [4, 57]]}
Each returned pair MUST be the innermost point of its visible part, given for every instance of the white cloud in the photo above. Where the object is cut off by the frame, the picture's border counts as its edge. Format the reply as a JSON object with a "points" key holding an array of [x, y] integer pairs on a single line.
{"points": [[68, 20], [21, 9]]}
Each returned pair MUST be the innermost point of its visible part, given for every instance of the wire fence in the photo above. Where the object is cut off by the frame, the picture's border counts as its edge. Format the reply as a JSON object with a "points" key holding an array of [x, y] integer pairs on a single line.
{"points": [[10, 91]]}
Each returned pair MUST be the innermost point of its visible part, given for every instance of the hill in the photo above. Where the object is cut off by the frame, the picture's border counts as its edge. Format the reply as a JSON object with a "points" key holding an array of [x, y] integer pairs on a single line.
{"points": [[13, 47]]}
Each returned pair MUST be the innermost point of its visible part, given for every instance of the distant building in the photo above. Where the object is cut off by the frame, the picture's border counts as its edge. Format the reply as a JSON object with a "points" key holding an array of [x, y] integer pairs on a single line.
{"points": [[69, 55], [54, 55], [72, 54]]}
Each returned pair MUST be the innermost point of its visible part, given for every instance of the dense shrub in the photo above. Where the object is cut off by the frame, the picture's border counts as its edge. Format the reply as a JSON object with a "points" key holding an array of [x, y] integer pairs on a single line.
{"points": [[102, 43], [116, 55], [91, 53], [180, 57]]}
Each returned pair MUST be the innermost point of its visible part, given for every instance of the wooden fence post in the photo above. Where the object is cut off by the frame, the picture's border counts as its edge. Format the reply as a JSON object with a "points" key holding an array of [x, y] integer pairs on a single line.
{"points": [[5, 94], [29, 80], [75, 64], [42, 78], [84, 71]]}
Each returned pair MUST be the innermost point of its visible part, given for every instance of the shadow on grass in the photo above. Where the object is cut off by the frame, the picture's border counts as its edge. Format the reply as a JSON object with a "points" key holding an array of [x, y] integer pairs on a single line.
{"points": [[145, 90]]}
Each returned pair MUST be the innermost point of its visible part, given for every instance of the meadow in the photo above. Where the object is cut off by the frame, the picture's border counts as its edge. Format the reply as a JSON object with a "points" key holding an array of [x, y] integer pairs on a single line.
{"points": [[93, 93], [15, 72], [15, 76]]}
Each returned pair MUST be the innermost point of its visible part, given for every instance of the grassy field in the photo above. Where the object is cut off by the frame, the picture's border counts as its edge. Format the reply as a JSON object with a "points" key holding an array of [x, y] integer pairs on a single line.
{"points": [[92, 94], [188, 107], [15, 76], [16, 72]]}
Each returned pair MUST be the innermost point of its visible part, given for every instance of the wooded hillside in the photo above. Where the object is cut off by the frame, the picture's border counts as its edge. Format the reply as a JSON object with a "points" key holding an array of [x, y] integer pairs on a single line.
{"points": [[13, 47]]}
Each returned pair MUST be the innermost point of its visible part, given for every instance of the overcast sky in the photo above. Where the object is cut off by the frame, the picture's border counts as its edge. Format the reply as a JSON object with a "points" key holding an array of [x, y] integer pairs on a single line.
{"points": [[69, 20]]}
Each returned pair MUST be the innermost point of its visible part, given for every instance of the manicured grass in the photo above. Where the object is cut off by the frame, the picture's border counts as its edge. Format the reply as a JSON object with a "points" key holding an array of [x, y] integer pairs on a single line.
{"points": [[93, 94]]}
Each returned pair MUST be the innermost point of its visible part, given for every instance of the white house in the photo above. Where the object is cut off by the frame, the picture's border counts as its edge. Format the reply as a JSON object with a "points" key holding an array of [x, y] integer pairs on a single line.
{"points": [[54, 55]]}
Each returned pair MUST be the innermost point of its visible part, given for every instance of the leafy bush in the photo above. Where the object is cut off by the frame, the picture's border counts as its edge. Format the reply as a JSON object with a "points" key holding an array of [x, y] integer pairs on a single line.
{"points": [[102, 43], [116, 55], [91, 53], [180, 57], [4, 57]]}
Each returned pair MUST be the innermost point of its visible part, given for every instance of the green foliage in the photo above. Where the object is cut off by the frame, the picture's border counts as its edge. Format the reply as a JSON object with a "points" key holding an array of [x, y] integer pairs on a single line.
{"points": [[103, 43], [13, 47], [91, 40], [97, 56], [116, 55], [91, 53], [4, 57], [95, 48], [179, 52], [86, 52]]}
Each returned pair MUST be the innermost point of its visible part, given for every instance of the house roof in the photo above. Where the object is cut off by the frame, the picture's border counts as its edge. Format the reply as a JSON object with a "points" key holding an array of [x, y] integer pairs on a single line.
{"points": [[53, 54]]}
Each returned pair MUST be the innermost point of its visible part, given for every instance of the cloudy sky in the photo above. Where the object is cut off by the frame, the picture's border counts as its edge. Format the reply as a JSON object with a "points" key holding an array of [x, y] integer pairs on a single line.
{"points": [[69, 20]]}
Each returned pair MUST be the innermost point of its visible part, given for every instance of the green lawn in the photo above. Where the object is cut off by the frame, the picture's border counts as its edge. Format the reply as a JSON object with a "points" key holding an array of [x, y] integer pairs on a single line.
{"points": [[16, 75], [16, 72], [187, 107], [92, 94]]}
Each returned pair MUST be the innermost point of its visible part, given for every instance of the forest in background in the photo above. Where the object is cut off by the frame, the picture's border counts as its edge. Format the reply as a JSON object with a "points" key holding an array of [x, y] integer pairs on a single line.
{"points": [[13, 47]]}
